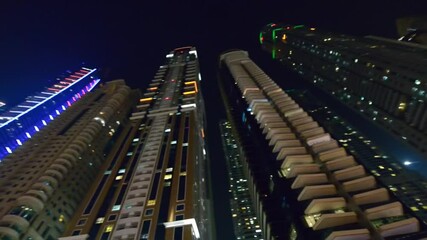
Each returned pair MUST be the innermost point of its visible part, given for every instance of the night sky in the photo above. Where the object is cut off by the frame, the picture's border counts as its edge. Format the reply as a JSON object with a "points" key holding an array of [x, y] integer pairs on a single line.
{"points": [[41, 39]]}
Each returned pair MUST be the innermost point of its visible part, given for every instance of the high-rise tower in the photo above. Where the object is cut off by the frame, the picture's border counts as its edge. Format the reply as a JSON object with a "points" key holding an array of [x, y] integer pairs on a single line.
{"points": [[21, 122], [304, 183], [43, 182], [156, 185], [384, 79]]}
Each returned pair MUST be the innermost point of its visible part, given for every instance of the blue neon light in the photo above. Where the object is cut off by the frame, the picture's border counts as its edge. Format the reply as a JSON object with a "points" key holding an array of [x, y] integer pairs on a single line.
{"points": [[52, 95], [26, 124]]}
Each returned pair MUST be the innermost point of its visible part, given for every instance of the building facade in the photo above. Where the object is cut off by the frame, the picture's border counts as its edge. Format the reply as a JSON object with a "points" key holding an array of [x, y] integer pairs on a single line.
{"points": [[21, 122], [384, 79], [156, 186], [304, 183], [43, 182], [246, 224]]}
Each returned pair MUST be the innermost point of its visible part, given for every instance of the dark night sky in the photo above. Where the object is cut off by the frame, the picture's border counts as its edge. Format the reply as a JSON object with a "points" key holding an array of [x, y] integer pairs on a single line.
{"points": [[40, 39]]}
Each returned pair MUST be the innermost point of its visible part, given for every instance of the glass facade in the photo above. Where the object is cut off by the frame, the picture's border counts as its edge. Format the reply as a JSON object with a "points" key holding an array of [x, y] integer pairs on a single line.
{"points": [[246, 224], [383, 79], [21, 122]]}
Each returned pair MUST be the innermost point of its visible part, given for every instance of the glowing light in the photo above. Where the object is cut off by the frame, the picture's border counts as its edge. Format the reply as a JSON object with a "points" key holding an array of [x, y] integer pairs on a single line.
{"points": [[284, 37], [189, 92], [188, 105], [19, 142], [98, 119], [145, 99], [417, 82], [194, 84], [193, 52], [36, 128], [407, 163], [8, 150], [312, 29], [45, 99], [57, 112], [50, 116], [180, 223], [169, 55]]}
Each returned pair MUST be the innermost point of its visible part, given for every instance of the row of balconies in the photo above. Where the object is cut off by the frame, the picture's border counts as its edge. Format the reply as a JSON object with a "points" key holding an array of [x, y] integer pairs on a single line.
{"points": [[335, 188], [130, 215]]}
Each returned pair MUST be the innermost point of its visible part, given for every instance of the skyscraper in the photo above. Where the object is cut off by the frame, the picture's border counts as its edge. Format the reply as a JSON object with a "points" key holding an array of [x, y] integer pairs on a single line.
{"points": [[304, 183], [155, 186], [43, 182], [21, 122], [246, 224], [383, 79]]}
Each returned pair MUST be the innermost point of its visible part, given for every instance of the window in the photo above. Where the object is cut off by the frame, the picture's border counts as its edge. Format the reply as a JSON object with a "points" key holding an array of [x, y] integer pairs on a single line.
{"points": [[149, 212], [180, 207], [99, 220], [81, 222], [109, 228], [116, 208]]}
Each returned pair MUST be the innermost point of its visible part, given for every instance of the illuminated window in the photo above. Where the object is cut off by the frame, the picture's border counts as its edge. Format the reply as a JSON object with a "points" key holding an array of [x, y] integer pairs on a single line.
{"points": [[116, 208], [109, 228], [119, 177], [122, 170], [168, 176], [99, 220], [151, 202]]}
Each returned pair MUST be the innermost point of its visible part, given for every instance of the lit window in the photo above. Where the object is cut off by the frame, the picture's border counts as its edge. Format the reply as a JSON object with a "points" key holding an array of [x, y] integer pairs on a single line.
{"points": [[99, 220], [116, 208], [129, 154], [122, 170], [151, 202], [109, 228], [168, 176], [119, 177]]}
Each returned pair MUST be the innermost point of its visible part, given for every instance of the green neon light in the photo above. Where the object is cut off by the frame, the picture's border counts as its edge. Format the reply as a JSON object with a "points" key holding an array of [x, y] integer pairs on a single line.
{"points": [[273, 53], [260, 37], [298, 26], [274, 33]]}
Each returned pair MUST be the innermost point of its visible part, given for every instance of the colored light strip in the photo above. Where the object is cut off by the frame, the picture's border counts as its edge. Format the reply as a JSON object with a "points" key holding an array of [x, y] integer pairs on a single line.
{"points": [[145, 99], [20, 141], [194, 83], [189, 92], [47, 99]]}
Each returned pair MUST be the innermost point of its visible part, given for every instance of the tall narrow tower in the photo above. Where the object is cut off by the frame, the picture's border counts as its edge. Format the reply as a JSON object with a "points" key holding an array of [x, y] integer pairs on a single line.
{"points": [[156, 185]]}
